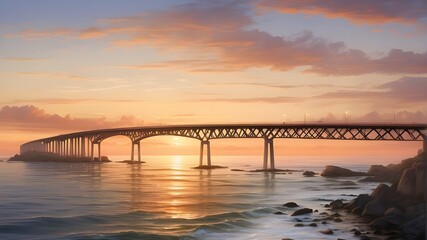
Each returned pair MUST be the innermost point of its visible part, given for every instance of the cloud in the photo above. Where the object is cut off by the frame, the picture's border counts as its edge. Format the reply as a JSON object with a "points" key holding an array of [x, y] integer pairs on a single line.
{"points": [[54, 75], [377, 117], [406, 90], [71, 101], [280, 99], [25, 59], [361, 11], [31, 118], [222, 36]]}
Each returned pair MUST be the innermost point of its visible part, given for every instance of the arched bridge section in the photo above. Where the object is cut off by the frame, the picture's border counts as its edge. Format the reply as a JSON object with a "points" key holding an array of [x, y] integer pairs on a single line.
{"points": [[83, 144]]}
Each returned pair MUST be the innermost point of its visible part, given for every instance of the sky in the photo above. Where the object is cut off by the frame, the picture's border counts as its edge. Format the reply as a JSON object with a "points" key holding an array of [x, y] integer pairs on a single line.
{"points": [[69, 66]]}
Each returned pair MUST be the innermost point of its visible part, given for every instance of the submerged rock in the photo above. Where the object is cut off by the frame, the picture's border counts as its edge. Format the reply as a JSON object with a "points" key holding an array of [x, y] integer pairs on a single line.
{"points": [[302, 211], [309, 173], [336, 204], [327, 231], [334, 171], [290, 205]]}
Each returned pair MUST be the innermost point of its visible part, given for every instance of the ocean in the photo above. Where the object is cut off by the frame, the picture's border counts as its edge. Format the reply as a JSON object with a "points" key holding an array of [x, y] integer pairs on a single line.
{"points": [[165, 199]]}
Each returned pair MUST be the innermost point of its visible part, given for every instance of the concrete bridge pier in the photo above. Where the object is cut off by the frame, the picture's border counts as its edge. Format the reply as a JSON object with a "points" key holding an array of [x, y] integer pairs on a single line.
{"points": [[132, 157], [268, 145], [208, 149], [92, 151]]}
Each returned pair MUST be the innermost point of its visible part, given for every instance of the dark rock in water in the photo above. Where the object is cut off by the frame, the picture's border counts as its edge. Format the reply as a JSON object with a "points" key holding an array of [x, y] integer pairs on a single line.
{"points": [[360, 201], [324, 213], [327, 231], [279, 213], [336, 215], [290, 205], [338, 220], [312, 225], [336, 204], [357, 210], [356, 232], [302, 211], [309, 173], [324, 222], [299, 225], [375, 208], [287, 239], [334, 171], [237, 170], [387, 222], [365, 238], [382, 191], [378, 232]]}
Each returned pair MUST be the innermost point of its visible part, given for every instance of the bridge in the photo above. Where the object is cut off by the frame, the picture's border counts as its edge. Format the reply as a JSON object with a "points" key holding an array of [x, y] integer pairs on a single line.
{"points": [[84, 144]]}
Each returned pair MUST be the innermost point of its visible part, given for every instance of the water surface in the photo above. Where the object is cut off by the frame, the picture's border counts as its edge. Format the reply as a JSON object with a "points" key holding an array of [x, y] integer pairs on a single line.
{"points": [[165, 199]]}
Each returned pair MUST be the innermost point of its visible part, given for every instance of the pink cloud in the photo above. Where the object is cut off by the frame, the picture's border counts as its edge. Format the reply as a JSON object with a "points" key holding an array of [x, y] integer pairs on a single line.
{"points": [[361, 11], [377, 117], [31, 118], [404, 91], [222, 36]]}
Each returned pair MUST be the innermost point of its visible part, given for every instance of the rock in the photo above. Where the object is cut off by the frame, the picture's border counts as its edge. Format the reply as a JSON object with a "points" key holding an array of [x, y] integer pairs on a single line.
{"points": [[338, 220], [336, 215], [357, 210], [290, 205], [309, 173], [407, 182], [287, 239], [279, 213], [324, 222], [414, 228], [357, 232], [387, 222], [334, 171], [299, 225], [360, 201], [302, 211], [374, 208], [312, 225], [382, 191], [336, 204], [376, 170], [393, 211], [327, 231]]}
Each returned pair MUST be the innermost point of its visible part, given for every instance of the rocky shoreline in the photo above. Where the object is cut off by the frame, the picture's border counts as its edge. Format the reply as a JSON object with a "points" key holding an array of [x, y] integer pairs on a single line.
{"points": [[396, 210], [53, 157]]}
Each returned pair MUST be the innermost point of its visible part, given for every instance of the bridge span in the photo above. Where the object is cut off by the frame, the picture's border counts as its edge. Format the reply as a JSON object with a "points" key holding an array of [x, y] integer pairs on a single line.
{"points": [[84, 144]]}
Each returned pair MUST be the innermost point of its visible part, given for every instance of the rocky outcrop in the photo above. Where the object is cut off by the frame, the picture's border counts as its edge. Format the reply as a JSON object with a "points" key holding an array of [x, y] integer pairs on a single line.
{"points": [[309, 173], [400, 206], [334, 171]]}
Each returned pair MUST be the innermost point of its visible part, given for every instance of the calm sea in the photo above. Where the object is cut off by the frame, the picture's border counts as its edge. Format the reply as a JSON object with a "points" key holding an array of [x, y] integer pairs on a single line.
{"points": [[166, 199]]}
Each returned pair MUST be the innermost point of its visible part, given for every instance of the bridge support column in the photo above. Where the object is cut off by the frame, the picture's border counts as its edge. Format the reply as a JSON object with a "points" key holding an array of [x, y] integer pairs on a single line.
{"points": [[132, 156], [139, 151], [208, 150], [91, 151], [268, 145], [99, 152]]}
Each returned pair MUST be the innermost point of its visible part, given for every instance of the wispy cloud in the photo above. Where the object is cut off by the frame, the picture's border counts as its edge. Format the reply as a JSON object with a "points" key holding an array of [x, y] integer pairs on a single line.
{"points": [[54, 75], [406, 90], [280, 99], [62, 101], [31, 118], [25, 59], [361, 11]]}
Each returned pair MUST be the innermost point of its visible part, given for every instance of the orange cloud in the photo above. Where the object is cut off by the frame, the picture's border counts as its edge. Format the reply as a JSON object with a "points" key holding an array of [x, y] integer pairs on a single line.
{"points": [[222, 37], [31, 118], [361, 11]]}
